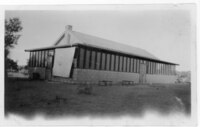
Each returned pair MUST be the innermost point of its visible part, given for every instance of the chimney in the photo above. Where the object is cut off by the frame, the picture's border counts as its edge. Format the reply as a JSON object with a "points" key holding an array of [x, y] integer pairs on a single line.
{"points": [[68, 29]]}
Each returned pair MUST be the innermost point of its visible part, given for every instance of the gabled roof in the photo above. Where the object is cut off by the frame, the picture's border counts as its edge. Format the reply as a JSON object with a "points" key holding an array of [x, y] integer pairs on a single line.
{"points": [[111, 45], [89, 40]]}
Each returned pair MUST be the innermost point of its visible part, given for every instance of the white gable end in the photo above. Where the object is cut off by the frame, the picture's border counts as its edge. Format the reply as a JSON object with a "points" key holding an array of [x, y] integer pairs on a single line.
{"points": [[63, 41]]}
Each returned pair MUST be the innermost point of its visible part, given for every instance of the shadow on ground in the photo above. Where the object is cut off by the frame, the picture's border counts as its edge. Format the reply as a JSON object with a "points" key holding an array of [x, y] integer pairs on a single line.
{"points": [[28, 98]]}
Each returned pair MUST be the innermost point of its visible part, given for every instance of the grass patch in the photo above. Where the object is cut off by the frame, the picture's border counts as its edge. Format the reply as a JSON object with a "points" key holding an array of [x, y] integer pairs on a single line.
{"points": [[57, 99]]}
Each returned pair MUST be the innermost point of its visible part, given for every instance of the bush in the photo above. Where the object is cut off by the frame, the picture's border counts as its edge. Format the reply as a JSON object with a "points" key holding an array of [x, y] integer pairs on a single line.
{"points": [[36, 76], [85, 88]]}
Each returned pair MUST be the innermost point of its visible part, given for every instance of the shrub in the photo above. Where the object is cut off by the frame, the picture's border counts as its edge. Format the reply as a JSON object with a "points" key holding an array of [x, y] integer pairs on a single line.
{"points": [[85, 88], [36, 76]]}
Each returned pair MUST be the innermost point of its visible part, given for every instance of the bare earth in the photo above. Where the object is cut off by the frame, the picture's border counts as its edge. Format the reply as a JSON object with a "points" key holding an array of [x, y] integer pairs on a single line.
{"points": [[54, 99]]}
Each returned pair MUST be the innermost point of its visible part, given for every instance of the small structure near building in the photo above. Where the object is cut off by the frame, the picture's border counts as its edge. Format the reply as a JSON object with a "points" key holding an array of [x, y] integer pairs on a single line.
{"points": [[78, 57]]}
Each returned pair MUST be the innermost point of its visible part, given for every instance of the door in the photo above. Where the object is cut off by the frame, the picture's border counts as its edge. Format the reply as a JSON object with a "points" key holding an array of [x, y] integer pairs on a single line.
{"points": [[49, 59], [63, 62], [142, 77]]}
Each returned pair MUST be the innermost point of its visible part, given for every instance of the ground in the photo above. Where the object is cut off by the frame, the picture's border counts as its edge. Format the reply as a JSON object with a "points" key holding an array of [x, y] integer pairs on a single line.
{"points": [[29, 97]]}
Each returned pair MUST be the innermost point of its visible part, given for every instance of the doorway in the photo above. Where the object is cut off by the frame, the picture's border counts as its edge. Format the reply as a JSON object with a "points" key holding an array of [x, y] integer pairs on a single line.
{"points": [[142, 76], [63, 62], [49, 63]]}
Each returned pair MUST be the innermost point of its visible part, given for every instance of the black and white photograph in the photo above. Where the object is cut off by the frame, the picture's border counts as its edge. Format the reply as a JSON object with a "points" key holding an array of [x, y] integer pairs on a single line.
{"points": [[101, 62]]}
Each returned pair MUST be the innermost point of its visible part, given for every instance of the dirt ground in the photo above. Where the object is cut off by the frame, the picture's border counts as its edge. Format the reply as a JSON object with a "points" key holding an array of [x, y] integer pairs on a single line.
{"points": [[54, 99]]}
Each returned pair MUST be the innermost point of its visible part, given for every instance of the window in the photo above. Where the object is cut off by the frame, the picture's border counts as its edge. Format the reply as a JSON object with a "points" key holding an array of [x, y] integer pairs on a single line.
{"points": [[41, 58], [147, 67], [93, 57], [36, 59], [154, 68], [87, 59], [138, 66], [124, 64], [108, 62], [151, 67], [158, 68], [98, 62], [174, 69], [40, 61], [103, 61], [81, 58], [135, 65], [46, 55], [170, 70], [132, 66], [120, 63], [30, 59], [167, 69], [164, 69], [112, 62], [44, 59], [128, 65], [116, 63]]}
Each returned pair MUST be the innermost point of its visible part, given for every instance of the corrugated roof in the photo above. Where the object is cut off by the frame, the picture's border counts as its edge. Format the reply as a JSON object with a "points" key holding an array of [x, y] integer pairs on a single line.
{"points": [[98, 42], [49, 47], [111, 45]]}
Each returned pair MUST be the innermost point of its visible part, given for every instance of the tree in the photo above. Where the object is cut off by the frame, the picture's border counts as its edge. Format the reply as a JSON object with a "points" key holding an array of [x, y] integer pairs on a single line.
{"points": [[11, 64], [12, 28]]}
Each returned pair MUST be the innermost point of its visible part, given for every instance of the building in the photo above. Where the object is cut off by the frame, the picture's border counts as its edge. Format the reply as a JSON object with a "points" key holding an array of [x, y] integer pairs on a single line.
{"points": [[80, 57]]}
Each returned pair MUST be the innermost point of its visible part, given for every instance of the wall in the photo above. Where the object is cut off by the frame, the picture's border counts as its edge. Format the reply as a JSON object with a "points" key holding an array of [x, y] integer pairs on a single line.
{"points": [[39, 70], [97, 75], [116, 77], [161, 78]]}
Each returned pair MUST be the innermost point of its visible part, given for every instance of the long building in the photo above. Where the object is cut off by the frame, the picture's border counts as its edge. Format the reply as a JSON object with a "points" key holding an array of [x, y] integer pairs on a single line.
{"points": [[80, 57]]}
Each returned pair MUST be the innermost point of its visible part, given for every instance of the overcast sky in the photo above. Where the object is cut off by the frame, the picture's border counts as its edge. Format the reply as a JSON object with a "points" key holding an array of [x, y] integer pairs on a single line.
{"points": [[164, 31]]}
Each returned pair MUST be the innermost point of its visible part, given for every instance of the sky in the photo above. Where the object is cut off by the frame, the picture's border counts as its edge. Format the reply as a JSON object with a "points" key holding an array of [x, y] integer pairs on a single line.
{"points": [[163, 30]]}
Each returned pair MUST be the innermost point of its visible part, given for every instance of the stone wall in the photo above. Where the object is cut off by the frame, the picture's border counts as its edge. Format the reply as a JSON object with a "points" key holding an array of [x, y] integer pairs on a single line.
{"points": [[95, 76], [161, 78]]}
